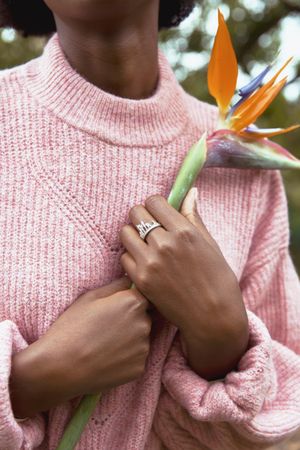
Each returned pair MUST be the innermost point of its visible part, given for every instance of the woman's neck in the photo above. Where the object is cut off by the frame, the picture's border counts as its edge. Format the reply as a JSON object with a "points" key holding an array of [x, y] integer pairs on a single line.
{"points": [[122, 57]]}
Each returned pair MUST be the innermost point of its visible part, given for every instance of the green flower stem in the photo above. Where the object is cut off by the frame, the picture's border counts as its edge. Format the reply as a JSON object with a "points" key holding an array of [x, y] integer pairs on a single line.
{"points": [[79, 420], [188, 172], [186, 177]]}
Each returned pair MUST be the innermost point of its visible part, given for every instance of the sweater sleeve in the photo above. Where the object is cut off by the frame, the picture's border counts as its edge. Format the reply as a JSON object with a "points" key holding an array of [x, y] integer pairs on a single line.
{"points": [[258, 404], [14, 435]]}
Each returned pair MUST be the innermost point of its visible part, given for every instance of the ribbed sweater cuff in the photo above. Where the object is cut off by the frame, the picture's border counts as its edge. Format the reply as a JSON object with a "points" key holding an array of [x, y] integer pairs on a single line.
{"points": [[14, 435], [237, 397]]}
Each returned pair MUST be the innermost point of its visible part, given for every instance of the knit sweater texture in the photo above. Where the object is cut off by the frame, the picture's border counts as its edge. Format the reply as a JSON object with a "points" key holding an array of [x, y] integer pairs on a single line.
{"points": [[74, 160]]}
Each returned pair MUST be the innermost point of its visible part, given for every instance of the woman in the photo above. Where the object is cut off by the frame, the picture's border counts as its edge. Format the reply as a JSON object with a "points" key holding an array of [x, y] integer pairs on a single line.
{"points": [[204, 352]]}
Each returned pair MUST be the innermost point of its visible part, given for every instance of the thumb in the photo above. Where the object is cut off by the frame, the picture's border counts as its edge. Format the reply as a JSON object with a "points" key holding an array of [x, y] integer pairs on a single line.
{"points": [[189, 210]]}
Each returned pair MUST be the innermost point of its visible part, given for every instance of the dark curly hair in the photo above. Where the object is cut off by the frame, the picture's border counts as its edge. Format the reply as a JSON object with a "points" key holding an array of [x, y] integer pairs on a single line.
{"points": [[34, 18]]}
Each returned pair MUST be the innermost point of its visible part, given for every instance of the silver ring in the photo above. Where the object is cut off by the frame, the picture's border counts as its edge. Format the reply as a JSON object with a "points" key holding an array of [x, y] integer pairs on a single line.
{"points": [[145, 227]]}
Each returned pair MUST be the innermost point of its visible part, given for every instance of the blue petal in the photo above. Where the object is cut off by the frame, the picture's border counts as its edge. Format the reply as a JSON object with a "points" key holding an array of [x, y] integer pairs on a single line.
{"points": [[236, 105], [247, 90], [255, 83], [254, 129]]}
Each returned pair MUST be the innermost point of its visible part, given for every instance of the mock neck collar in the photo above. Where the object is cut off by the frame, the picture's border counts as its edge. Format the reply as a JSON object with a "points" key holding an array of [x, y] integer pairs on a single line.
{"points": [[155, 120]]}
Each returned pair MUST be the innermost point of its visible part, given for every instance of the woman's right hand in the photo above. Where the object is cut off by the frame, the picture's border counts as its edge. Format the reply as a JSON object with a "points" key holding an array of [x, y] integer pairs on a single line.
{"points": [[100, 341]]}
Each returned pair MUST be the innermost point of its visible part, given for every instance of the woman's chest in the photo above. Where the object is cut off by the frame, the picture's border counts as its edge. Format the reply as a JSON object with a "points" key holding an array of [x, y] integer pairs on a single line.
{"points": [[60, 234]]}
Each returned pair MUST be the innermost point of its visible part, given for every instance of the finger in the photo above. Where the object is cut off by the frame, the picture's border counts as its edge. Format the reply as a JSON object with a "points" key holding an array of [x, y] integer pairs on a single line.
{"points": [[131, 240], [119, 284], [129, 265], [164, 213], [138, 214], [145, 304], [189, 209]]}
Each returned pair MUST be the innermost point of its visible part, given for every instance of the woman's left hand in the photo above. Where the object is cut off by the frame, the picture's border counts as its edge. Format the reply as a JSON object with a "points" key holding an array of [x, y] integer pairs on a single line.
{"points": [[181, 270]]}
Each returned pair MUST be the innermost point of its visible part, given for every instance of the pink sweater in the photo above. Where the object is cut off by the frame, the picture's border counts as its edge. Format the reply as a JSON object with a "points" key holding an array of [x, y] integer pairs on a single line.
{"points": [[74, 160]]}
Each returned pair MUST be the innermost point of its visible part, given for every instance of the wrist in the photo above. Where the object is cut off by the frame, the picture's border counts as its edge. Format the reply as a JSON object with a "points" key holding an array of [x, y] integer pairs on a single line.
{"points": [[214, 358], [34, 382], [20, 382]]}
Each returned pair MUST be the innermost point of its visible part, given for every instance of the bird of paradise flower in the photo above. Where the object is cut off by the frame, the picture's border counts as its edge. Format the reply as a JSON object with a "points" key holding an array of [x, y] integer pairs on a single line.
{"points": [[237, 142]]}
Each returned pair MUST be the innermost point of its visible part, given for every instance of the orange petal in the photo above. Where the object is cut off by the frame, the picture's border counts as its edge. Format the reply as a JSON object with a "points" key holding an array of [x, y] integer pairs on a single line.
{"points": [[257, 108], [223, 67], [254, 135], [244, 108]]}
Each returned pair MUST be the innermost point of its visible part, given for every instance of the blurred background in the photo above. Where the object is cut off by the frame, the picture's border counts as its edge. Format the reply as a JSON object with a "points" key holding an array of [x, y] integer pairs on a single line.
{"points": [[262, 31]]}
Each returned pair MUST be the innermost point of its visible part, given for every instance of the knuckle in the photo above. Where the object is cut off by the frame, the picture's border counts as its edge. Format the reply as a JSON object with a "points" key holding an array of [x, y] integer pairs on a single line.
{"points": [[152, 265], [139, 331], [134, 210], [153, 200], [149, 325], [186, 235], [145, 347], [146, 327], [189, 215], [137, 300], [143, 280], [165, 247], [130, 301], [124, 230]]}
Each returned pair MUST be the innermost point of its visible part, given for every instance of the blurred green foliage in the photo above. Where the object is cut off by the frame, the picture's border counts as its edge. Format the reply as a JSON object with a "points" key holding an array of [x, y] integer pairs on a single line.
{"points": [[255, 28]]}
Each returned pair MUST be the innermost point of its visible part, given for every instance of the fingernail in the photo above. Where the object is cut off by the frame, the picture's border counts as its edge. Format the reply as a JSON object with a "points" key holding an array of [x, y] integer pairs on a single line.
{"points": [[191, 199], [194, 194]]}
